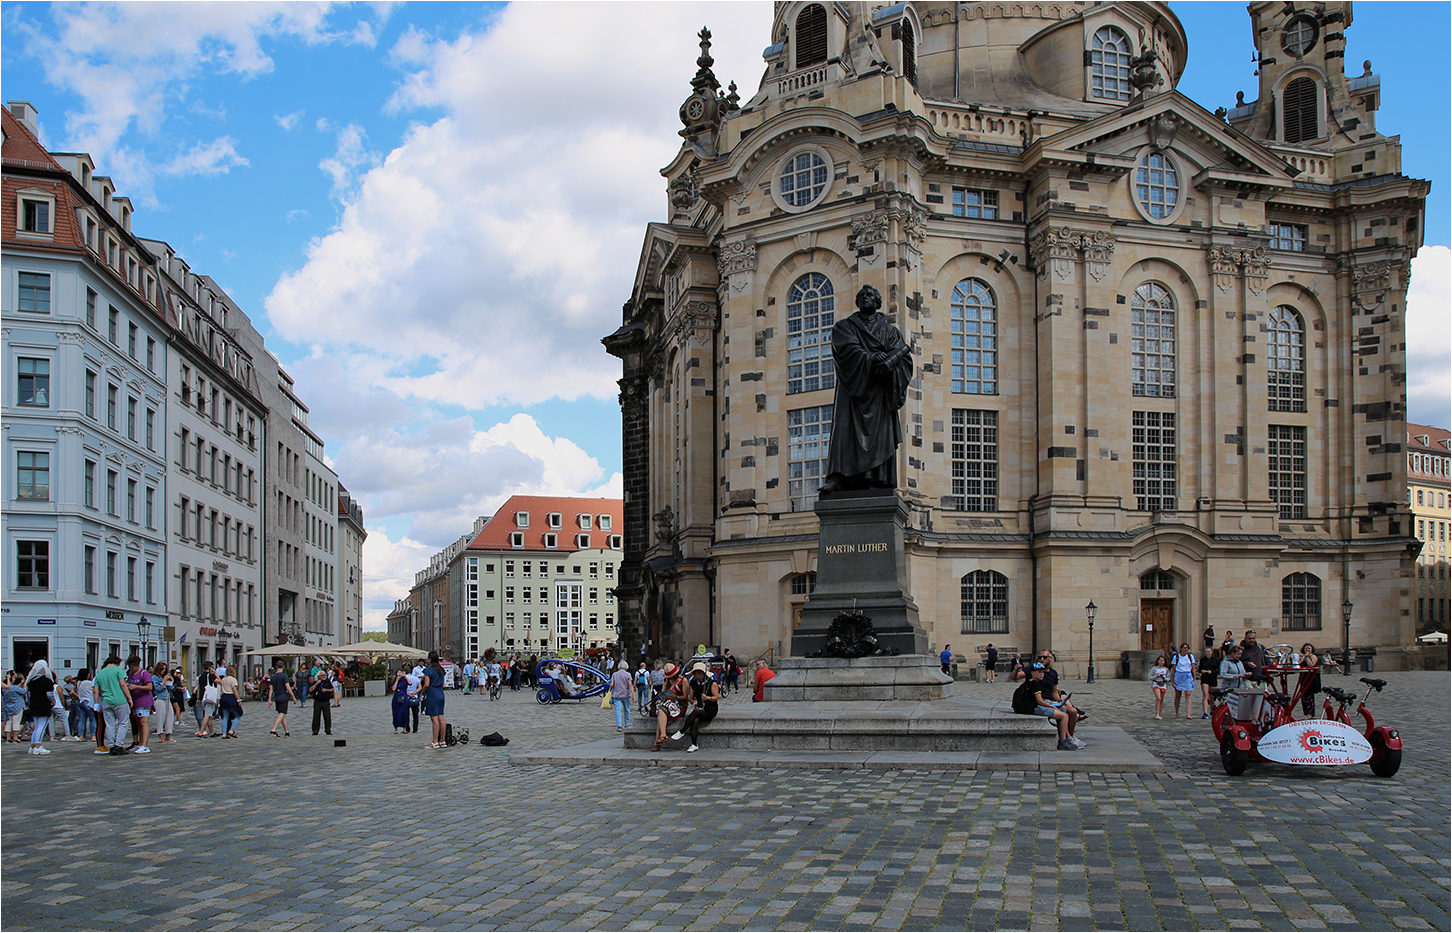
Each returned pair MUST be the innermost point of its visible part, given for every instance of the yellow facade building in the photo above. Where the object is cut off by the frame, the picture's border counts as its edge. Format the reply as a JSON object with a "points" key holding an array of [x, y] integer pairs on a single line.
{"points": [[1428, 491], [1160, 351]]}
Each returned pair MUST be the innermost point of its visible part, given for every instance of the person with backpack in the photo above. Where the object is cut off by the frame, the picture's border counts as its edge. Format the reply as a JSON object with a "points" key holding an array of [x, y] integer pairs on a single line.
{"points": [[642, 688], [1029, 699]]}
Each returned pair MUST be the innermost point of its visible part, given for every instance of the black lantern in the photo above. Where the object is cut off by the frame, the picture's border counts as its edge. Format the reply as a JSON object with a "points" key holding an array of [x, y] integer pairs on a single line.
{"points": [[1089, 612], [1346, 608]]}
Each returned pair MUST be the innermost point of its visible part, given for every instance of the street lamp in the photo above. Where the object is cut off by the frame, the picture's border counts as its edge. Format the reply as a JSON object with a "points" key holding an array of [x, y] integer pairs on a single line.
{"points": [[1089, 611], [143, 630], [1346, 608]]}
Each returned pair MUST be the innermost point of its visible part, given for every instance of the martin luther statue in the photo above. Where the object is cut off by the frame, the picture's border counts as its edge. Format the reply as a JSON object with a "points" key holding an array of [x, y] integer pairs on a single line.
{"points": [[874, 366]]}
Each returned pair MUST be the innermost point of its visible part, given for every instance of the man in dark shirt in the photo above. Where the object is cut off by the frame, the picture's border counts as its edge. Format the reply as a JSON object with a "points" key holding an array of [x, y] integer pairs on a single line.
{"points": [[990, 661], [282, 692], [1052, 709], [1252, 653], [1051, 680]]}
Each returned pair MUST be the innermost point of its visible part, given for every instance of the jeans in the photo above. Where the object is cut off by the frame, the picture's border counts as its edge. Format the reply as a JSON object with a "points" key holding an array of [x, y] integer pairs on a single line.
{"points": [[85, 721], [118, 720], [642, 696], [229, 719], [622, 711], [38, 725]]}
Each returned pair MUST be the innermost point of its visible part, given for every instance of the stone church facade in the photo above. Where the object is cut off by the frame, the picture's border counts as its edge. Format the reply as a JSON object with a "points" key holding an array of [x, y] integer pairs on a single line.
{"points": [[1159, 351]]}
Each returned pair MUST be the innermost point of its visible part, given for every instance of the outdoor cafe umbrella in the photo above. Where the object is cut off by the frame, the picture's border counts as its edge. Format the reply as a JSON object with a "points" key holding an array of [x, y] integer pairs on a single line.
{"points": [[379, 650], [288, 651]]}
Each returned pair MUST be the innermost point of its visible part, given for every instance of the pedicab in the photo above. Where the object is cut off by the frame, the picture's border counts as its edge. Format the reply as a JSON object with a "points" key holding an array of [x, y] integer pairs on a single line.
{"points": [[552, 691], [1260, 724]]}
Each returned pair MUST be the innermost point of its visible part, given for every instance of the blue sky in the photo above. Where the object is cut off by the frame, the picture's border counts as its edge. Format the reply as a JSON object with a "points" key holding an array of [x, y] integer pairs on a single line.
{"points": [[434, 210]]}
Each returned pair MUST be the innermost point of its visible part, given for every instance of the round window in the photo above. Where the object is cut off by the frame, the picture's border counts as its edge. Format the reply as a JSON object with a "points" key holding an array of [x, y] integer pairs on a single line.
{"points": [[1157, 186], [803, 179], [1300, 36]]}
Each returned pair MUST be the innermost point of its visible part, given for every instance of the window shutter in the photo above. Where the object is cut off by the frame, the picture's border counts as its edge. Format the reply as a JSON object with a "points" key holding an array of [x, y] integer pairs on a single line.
{"points": [[909, 53], [812, 36], [1299, 110]]}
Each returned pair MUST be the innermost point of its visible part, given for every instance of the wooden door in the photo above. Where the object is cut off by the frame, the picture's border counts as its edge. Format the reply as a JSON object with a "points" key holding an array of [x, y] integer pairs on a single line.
{"points": [[1157, 625]]}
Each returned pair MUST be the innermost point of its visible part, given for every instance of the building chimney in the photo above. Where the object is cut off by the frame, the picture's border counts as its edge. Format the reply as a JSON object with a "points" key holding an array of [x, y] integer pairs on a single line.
{"points": [[25, 112]]}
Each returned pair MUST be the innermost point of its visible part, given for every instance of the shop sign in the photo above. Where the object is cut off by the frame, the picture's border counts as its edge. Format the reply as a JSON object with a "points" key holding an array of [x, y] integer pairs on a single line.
{"points": [[1315, 742]]}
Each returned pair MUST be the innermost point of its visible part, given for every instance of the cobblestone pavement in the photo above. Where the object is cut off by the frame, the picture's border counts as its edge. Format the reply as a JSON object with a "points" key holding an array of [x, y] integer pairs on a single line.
{"points": [[265, 833]]}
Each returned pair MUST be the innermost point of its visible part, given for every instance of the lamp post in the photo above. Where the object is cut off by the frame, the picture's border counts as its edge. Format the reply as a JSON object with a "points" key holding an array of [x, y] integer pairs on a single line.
{"points": [[143, 631], [1089, 611], [1346, 608]]}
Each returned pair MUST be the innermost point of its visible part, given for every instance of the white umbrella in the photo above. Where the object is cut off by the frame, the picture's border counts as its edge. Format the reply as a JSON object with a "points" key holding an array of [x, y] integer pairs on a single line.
{"points": [[379, 649], [291, 651], [1434, 637]]}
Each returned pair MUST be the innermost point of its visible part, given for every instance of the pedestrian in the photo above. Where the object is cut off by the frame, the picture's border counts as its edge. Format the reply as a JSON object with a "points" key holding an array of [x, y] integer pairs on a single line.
{"points": [[1232, 671], [515, 674], [1159, 682], [1226, 644], [704, 695], [990, 662], [733, 672], [1055, 710], [322, 694], [17, 698], [432, 684], [337, 677], [1252, 654], [642, 688], [208, 695], [668, 701], [161, 709], [1019, 669], [114, 698], [229, 704], [1209, 677], [1184, 679], [65, 713], [1310, 659], [657, 676], [301, 679], [468, 677], [620, 690], [85, 705], [403, 701], [138, 679], [282, 693], [40, 683], [759, 679], [1209, 636], [945, 658]]}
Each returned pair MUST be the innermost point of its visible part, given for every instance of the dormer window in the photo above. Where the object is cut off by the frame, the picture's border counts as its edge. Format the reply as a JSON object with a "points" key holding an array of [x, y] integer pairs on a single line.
{"points": [[584, 519], [1109, 65], [604, 522], [556, 520], [516, 539], [521, 519], [551, 541], [36, 216], [582, 542], [811, 36]]}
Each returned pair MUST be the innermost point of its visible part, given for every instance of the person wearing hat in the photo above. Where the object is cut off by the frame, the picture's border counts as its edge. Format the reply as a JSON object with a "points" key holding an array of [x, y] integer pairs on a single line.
{"points": [[705, 693], [669, 702], [1053, 710]]}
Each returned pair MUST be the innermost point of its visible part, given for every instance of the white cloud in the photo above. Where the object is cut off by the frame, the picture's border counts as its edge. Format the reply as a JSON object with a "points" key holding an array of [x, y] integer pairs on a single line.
{"points": [[213, 158], [289, 121], [485, 257], [1429, 338], [131, 63], [388, 569], [350, 156]]}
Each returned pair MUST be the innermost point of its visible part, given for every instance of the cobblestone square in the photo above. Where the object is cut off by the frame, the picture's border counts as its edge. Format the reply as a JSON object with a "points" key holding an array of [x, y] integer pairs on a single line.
{"points": [[294, 833]]}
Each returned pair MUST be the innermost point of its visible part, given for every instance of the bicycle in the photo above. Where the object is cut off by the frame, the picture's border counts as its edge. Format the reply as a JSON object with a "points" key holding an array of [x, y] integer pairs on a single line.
{"points": [[495, 690], [1390, 758]]}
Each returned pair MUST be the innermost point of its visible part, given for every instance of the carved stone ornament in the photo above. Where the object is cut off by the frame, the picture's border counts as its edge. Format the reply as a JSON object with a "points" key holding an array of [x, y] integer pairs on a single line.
{"points": [[1163, 130], [915, 225], [1255, 266], [851, 636], [1373, 277], [737, 256], [1097, 248], [665, 524], [868, 230], [684, 191], [1222, 267], [1055, 250]]}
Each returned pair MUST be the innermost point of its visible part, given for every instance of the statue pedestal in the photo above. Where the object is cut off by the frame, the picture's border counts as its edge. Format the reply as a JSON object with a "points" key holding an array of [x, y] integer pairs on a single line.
{"points": [[861, 565]]}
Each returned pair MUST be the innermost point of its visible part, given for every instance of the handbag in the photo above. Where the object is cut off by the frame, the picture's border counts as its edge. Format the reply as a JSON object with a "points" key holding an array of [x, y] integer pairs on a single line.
{"points": [[212, 694], [605, 701]]}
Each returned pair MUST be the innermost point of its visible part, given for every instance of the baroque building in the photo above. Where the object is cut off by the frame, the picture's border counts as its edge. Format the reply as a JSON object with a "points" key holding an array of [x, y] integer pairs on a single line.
{"points": [[1429, 489], [1159, 345]]}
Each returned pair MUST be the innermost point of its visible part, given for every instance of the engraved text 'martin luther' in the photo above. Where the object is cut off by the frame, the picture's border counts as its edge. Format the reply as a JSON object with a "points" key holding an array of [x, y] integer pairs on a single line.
{"points": [[871, 547]]}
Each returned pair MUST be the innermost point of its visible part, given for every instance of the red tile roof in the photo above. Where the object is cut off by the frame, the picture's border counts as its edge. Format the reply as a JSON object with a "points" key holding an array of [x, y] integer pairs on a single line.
{"points": [[495, 536]]}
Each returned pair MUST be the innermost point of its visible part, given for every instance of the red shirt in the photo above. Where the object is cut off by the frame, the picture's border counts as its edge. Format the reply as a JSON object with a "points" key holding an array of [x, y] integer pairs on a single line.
{"points": [[762, 676]]}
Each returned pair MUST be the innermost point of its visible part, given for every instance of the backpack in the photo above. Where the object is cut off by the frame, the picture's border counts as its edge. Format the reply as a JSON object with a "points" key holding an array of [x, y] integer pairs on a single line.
{"points": [[493, 738], [1023, 698], [449, 737]]}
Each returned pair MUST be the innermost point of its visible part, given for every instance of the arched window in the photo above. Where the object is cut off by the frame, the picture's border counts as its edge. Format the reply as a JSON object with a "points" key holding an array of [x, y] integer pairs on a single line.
{"points": [[811, 36], [909, 52], [1301, 602], [1157, 185], [803, 584], [985, 602], [1157, 580], [811, 312], [974, 325], [1285, 361], [1152, 342], [1109, 64], [1298, 106]]}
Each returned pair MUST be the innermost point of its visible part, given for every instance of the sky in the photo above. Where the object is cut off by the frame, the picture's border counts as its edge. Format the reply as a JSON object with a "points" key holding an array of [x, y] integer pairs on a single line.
{"points": [[433, 211]]}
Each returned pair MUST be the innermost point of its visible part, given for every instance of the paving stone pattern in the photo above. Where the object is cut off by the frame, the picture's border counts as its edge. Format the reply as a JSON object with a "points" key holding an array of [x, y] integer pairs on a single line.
{"points": [[281, 834]]}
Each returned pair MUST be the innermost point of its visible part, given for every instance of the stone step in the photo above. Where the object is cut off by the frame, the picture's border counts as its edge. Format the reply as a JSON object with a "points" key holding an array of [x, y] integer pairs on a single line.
{"points": [[882, 726]]}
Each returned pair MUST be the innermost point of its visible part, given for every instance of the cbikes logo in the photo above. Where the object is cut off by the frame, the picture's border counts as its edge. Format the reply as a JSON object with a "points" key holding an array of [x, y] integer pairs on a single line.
{"points": [[1313, 741]]}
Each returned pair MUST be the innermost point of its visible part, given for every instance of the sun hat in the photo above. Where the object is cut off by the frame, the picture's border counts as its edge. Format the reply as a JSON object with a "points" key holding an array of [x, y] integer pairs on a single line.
{"points": [[701, 666], [671, 670]]}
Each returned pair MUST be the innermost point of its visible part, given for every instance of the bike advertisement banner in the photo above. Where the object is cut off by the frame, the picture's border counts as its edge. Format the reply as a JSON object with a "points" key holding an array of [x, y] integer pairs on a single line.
{"points": [[1315, 742]]}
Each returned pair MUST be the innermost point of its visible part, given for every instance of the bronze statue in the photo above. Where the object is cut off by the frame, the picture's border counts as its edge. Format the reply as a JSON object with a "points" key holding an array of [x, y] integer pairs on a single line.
{"points": [[874, 366]]}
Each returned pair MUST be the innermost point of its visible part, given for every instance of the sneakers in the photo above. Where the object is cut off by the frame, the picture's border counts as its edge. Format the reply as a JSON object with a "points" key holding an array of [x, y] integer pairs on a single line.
{"points": [[1204, 715], [116, 750], [1066, 746], [39, 750], [141, 750], [693, 748], [1078, 742], [101, 751], [676, 736]]}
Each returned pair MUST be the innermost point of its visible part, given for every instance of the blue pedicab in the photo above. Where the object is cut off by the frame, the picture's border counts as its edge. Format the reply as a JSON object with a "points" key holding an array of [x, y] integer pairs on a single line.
{"points": [[550, 692]]}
